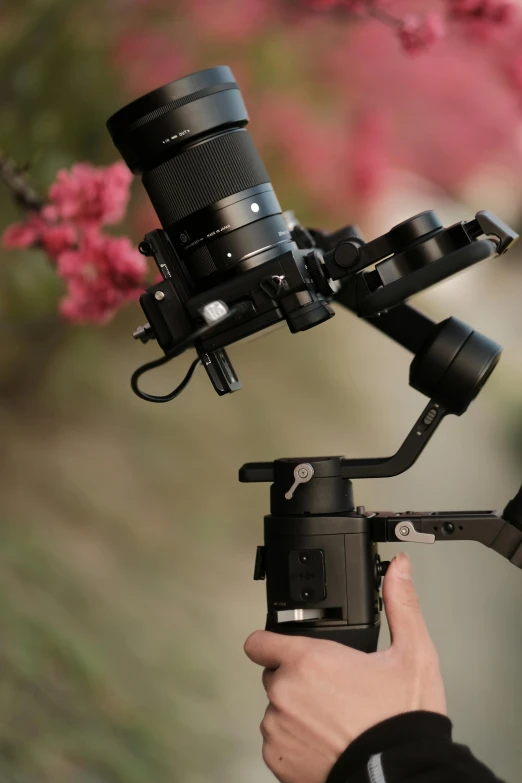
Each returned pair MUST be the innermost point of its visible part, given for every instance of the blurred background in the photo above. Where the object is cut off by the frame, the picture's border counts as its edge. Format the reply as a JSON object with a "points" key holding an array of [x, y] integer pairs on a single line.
{"points": [[126, 542]]}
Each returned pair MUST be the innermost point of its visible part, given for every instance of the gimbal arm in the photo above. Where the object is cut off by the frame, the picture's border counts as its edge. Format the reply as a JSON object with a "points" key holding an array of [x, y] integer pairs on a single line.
{"points": [[502, 532], [403, 323]]}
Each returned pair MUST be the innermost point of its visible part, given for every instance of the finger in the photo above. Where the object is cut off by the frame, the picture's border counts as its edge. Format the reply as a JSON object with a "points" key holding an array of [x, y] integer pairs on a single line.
{"points": [[269, 723], [405, 619], [271, 649], [268, 679]]}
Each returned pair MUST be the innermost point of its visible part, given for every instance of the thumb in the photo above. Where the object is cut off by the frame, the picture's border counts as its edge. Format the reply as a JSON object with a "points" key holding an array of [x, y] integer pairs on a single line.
{"points": [[407, 626], [272, 649]]}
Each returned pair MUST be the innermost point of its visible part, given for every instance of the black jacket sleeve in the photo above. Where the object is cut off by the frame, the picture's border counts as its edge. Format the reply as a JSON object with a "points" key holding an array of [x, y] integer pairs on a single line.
{"points": [[415, 747]]}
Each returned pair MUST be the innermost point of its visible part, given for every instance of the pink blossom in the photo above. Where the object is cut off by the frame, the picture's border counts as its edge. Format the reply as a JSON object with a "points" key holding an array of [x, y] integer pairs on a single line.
{"points": [[437, 127], [354, 6], [91, 196], [369, 155], [94, 302], [486, 20], [37, 232], [312, 148], [164, 62], [416, 34], [27, 233], [58, 238], [102, 274], [494, 11], [514, 74], [231, 20]]}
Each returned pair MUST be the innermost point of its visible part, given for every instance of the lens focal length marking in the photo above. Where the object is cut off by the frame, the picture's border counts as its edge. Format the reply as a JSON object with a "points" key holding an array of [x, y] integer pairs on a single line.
{"points": [[218, 222]]}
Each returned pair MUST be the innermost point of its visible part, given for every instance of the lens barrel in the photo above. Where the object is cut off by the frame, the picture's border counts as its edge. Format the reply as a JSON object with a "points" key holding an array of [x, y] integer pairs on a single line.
{"points": [[203, 173]]}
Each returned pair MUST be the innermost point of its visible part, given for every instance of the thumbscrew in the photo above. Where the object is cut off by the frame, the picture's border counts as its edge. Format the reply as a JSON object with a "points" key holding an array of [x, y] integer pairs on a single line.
{"points": [[381, 566]]}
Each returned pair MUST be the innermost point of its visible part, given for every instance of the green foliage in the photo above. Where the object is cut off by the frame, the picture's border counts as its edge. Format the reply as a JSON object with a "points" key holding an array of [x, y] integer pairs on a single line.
{"points": [[63, 713], [57, 88]]}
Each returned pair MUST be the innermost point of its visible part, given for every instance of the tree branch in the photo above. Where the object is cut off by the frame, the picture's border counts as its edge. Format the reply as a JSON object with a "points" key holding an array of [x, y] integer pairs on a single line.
{"points": [[15, 179], [384, 16]]}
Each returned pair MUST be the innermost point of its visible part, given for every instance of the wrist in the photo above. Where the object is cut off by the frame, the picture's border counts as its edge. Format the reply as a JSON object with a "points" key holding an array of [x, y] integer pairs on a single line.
{"points": [[405, 729]]}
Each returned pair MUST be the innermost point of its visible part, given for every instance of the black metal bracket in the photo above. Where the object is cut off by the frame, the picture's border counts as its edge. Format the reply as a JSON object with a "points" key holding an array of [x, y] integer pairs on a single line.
{"points": [[489, 528]]}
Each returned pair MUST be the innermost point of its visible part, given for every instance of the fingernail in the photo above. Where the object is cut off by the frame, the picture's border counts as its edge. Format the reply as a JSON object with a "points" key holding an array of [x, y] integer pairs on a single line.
{"points": [[403, 565]]}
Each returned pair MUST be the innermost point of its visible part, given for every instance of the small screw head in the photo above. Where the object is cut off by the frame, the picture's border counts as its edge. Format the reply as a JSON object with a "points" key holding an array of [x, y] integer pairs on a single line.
{"points": [[302, 472], [404, 531], [159, 295]]}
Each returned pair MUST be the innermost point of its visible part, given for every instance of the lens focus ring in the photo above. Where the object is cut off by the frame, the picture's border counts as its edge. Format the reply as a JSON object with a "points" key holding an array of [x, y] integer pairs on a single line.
{"points": [[205, 173]]}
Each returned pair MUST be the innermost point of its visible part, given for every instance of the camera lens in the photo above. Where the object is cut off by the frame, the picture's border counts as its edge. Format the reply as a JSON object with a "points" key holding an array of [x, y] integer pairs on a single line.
{"points": [[203, 174]]}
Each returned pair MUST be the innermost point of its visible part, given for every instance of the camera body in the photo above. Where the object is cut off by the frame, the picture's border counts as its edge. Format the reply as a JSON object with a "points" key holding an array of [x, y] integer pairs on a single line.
{"points": [[280, 288]]}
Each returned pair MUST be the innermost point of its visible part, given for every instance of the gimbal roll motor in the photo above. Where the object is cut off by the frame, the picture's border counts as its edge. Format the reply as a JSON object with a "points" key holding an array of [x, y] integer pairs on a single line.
{"points": [[232, 264]]}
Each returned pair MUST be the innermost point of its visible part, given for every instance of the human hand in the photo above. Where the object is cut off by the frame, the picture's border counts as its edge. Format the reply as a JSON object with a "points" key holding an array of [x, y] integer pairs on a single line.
{"points": [[323, 695]]}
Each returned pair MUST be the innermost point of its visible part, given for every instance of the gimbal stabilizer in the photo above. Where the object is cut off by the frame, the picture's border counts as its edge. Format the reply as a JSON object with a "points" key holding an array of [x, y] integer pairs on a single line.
{"points": [[320, 558], [232, 264]]}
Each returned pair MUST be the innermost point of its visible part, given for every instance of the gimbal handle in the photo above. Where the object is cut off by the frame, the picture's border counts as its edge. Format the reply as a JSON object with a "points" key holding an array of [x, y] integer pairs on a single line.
{"points": [[320, 560]]}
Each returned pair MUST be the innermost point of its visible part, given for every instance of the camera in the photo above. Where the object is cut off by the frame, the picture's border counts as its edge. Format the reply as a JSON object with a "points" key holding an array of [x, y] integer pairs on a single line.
{"points": [[232, 262]]}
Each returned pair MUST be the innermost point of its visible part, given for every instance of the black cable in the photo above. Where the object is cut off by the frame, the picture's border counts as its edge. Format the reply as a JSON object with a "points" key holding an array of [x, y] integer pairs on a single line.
{"points": [[239, 309], [157, 363]]}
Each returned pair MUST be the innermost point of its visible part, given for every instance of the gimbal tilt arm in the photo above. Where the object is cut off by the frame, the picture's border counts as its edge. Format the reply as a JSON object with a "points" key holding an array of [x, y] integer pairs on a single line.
{"points": [[320, 556]]}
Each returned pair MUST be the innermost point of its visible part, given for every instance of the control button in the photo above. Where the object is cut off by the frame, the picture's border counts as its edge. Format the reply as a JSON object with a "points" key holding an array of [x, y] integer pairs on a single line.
{"points": [[431, 414], [346, 254], [448, 528], [259, 568]]}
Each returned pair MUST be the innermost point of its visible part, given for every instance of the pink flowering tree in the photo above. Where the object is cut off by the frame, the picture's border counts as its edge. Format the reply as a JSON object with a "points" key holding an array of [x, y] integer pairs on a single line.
{"points": [[100, 272], [340, 92]]}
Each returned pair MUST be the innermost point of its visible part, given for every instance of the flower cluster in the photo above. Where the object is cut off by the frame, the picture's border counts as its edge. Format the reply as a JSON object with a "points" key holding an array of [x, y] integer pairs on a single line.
{"points": [[101, 272], [414, 32], [484, 18], [494, 11], [354, 6], [417, 34]]}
